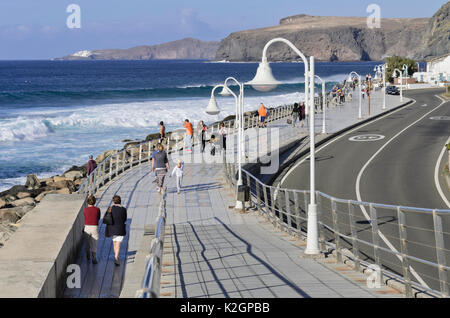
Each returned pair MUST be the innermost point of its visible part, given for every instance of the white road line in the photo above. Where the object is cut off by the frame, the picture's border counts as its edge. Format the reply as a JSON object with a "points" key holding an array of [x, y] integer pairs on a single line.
{"points": [[339, 137], [358, 193], [436, 175]]}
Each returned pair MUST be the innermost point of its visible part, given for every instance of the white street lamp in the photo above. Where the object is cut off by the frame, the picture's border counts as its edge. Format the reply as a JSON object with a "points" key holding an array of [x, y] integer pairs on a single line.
{"points": [[405, 68], [382, 69], [212, 109], [401, 83], [264, 81], [360, 90], [323, 103]]}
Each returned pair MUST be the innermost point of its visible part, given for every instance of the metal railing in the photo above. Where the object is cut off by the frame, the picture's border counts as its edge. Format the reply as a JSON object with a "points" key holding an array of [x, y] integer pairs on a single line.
{"points": [[113, 166], [406, 244], [152, 278]]}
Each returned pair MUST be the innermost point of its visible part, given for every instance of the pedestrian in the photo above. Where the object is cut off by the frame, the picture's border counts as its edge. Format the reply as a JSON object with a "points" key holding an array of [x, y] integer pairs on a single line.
{"points": [[223, 136], [295, 114], [262, 112], [160, 165], [212, 145], [363, 92], [91, 218], [302, 114], [91, 165], [201, 131], [189, 134], [162, 132], [117, 230], [179, 172]]}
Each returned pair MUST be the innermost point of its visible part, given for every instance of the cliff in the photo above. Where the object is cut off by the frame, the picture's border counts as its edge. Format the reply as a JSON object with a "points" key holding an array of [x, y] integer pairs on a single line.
{"points": [[188, 48], [437, 33], [328, 39]]}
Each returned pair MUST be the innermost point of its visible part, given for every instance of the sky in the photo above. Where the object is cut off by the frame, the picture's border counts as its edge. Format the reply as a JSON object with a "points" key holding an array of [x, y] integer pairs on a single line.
{"points": [[37, 29]]}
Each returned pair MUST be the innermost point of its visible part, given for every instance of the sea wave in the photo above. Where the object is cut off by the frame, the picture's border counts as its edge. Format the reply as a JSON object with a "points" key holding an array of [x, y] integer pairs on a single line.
{"points": [[39, 124]]}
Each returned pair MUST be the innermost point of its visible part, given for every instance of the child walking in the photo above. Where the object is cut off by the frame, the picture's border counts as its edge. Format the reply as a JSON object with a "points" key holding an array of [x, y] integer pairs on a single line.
{"points": [[178, 171]]}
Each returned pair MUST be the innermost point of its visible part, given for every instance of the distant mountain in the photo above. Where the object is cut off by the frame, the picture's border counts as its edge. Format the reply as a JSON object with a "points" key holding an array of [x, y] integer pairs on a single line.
{"points": [[437, 34], [328, 39], [188, 48]]}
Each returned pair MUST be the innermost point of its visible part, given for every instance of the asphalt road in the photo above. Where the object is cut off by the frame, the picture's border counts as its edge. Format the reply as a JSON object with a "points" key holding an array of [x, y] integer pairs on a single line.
{"points": [[398, 169]]}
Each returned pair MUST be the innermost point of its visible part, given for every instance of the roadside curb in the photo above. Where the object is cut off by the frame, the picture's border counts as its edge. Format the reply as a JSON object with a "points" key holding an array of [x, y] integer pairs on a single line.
{"points": [[285, 166]]}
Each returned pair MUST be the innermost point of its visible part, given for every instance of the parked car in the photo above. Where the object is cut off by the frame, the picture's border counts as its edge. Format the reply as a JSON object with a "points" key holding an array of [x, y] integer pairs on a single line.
{"points": [[392, 90]]}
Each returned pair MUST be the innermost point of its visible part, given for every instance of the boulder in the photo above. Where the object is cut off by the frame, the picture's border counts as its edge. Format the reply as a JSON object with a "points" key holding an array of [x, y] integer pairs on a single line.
{"points": [[32, 182], [3, 203], [106, 154], [79, 182], [57, 179], [61, 185], [22, 202], [22, 195], [73, 175], [12, 215]]}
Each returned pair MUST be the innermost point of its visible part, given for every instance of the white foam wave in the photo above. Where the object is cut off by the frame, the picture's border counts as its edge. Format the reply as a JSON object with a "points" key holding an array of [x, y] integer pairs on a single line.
{"points": [[127, 115]]}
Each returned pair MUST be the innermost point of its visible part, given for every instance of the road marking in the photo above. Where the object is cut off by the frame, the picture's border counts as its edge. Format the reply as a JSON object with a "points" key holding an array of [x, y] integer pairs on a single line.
{"points": [[440, 118], [358, 193], [436, 175], [341, 136], [370, 137], [424, 105]]}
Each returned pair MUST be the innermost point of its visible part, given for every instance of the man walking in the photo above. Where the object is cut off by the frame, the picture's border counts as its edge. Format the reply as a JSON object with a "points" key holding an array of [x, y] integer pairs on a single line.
{"points": [[262, 112], [189, 133], [91, 165]]}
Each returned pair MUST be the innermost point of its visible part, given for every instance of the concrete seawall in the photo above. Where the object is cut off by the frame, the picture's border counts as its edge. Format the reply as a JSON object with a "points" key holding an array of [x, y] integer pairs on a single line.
{"points": [[34, 261]]}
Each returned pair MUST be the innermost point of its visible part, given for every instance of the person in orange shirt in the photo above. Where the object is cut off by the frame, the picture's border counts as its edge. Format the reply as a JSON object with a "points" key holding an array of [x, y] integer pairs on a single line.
{"points": [[262, 115], [189, 133]]}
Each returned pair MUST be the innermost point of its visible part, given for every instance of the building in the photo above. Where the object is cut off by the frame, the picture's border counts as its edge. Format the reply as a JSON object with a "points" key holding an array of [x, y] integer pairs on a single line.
{"points": [[438, 71]]}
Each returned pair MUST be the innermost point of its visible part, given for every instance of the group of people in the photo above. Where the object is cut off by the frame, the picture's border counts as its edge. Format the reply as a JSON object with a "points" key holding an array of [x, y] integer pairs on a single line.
{"points": [[116, 228], [298, 113]]}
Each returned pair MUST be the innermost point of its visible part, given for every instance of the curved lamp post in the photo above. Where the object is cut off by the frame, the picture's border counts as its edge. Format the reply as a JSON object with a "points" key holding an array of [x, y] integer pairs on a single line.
{"points": [[264, 81], [401, 82], [213, 109], [360, 92], [382, 69], [323, 103]]}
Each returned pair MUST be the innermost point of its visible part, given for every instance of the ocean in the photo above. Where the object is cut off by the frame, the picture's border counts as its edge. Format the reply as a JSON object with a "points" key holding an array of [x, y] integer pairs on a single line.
{"points": [[54, 114]]}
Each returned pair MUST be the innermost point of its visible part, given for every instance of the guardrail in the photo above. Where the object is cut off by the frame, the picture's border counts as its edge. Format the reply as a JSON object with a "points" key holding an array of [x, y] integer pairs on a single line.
{"points": [[113, 166], [413, 253], [151, 281]]}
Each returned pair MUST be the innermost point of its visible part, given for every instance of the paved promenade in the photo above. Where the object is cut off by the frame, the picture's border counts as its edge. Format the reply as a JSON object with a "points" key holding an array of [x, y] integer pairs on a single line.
{"points": [[213, 251]]}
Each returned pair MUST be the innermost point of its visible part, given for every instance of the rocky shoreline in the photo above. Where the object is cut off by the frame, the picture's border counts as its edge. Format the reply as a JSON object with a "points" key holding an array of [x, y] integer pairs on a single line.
{"points": [[16, 202]]}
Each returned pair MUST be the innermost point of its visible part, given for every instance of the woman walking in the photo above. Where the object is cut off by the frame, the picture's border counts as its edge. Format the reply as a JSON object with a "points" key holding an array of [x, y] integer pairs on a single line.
{"points": [[201, 131], [302, 113], [91, 217], [162, 132], [160, 165], [117, 230], [223, 136], [295, 114]]}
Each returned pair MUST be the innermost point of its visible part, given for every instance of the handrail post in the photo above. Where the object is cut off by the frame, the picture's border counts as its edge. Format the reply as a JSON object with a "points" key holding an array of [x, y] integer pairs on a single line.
{"points": [[337, 237], [297, 214], [439, 238], [320, 221], [288, 212], [404, 250], [354, 231], [258, 196], [140, 153], [375, 237]]}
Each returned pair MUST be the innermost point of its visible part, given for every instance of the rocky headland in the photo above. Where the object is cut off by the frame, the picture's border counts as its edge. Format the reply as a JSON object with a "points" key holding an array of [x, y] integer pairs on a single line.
{"points": [[188, 48]]}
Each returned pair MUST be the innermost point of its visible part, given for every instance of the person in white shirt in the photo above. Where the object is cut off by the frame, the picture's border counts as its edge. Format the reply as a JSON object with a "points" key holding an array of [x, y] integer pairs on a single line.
{"points": [[223, 136], [178, 171]]}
